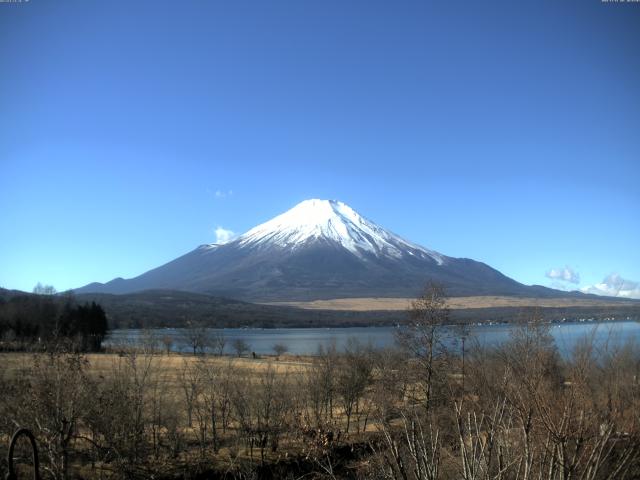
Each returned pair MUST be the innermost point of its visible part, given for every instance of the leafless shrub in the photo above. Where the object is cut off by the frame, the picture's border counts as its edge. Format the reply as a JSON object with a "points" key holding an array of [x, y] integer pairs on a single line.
{"points": [[280, 349], [262, 410], [167, 342], [240, 346], [412, 451], [217, 341], [54, 401], [118, 414], [353, 376]]}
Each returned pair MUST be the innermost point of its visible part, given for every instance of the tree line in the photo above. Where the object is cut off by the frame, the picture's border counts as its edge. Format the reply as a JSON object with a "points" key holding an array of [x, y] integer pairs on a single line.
{"points": [[31, 320]]}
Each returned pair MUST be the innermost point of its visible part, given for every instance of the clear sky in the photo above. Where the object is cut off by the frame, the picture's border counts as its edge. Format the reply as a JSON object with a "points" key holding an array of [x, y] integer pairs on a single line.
{"points": [[503, 131]]}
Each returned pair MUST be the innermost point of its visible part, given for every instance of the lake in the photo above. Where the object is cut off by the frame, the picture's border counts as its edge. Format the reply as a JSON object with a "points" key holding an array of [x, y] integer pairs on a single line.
{"points": [[305, 341]]}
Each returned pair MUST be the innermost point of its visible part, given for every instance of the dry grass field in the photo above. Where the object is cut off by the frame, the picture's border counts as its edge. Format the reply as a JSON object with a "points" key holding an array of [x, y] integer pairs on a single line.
{"points": [[169, 366], [454, 303]]}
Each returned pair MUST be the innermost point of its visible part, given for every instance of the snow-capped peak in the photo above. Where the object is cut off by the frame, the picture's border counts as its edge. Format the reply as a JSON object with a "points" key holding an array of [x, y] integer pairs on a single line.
{"points": [[333, 221]]}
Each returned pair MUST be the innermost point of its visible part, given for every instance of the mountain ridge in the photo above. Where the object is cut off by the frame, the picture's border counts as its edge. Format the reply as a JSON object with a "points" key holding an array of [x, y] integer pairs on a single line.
{"points": [[320, 249]]}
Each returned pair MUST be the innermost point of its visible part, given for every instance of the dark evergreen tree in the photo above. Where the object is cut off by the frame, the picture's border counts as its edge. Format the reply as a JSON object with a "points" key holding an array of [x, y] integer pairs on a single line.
{"points": [[40, 319]]}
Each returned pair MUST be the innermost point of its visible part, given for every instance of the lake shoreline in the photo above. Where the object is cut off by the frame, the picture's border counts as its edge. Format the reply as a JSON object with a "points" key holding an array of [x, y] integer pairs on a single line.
{"points": [[306, 341], [397, 324]]}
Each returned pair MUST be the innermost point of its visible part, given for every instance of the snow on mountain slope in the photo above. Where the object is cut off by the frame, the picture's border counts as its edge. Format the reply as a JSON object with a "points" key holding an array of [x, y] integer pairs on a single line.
{"points": [[333, 221]]}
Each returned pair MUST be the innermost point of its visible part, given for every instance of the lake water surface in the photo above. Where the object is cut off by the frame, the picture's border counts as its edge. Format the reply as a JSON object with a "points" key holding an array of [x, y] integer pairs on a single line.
{"points": [[305, 341]]}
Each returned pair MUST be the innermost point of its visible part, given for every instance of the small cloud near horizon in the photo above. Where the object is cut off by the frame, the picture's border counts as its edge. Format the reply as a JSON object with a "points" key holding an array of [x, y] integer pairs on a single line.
{"points": [[223, 193], [614, 285], [223, 235], [566, 274]]}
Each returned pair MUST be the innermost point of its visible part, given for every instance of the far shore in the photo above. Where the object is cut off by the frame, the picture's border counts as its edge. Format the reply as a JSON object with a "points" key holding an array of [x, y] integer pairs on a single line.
{"points": [[454, 303]]}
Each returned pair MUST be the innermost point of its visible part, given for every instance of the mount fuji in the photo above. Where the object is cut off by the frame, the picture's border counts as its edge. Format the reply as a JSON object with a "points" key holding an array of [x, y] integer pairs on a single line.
{"points": [[320, 249]]}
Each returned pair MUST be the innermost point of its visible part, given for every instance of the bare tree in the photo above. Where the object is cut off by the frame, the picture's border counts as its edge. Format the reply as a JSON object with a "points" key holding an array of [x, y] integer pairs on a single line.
{"points": [[320, 386], [196, 336], [414, 452], [167, 341], [262, 410], [353, 377], [280, 349], [423, 336], [218, 341], [121, 410], [53, 405], [391, 382], [190, 383], [240, 346], [223, 397], [213, 402], [41, 289], [149, 341]]}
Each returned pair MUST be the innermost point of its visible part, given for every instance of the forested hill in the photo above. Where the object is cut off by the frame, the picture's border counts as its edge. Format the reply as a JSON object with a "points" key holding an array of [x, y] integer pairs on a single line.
{"points": [[170, 308], [164, 308]]}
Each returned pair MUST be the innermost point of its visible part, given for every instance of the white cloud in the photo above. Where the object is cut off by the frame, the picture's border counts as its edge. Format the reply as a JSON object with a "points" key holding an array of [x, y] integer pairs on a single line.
{"points": [[614, 286], [223, 193], [566, 274], [223, 235]]}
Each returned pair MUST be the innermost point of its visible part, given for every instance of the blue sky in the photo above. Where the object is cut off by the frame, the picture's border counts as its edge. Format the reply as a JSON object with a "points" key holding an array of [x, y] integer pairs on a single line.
{"points": [[507, 132]]}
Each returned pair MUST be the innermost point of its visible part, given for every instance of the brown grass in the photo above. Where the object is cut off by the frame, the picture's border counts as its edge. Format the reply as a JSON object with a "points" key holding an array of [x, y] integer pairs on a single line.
{"points": [[169, 366], [455, 303]]}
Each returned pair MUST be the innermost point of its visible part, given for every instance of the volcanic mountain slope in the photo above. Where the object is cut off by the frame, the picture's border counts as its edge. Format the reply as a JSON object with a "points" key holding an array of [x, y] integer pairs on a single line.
{"points": [[320, 249]]}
